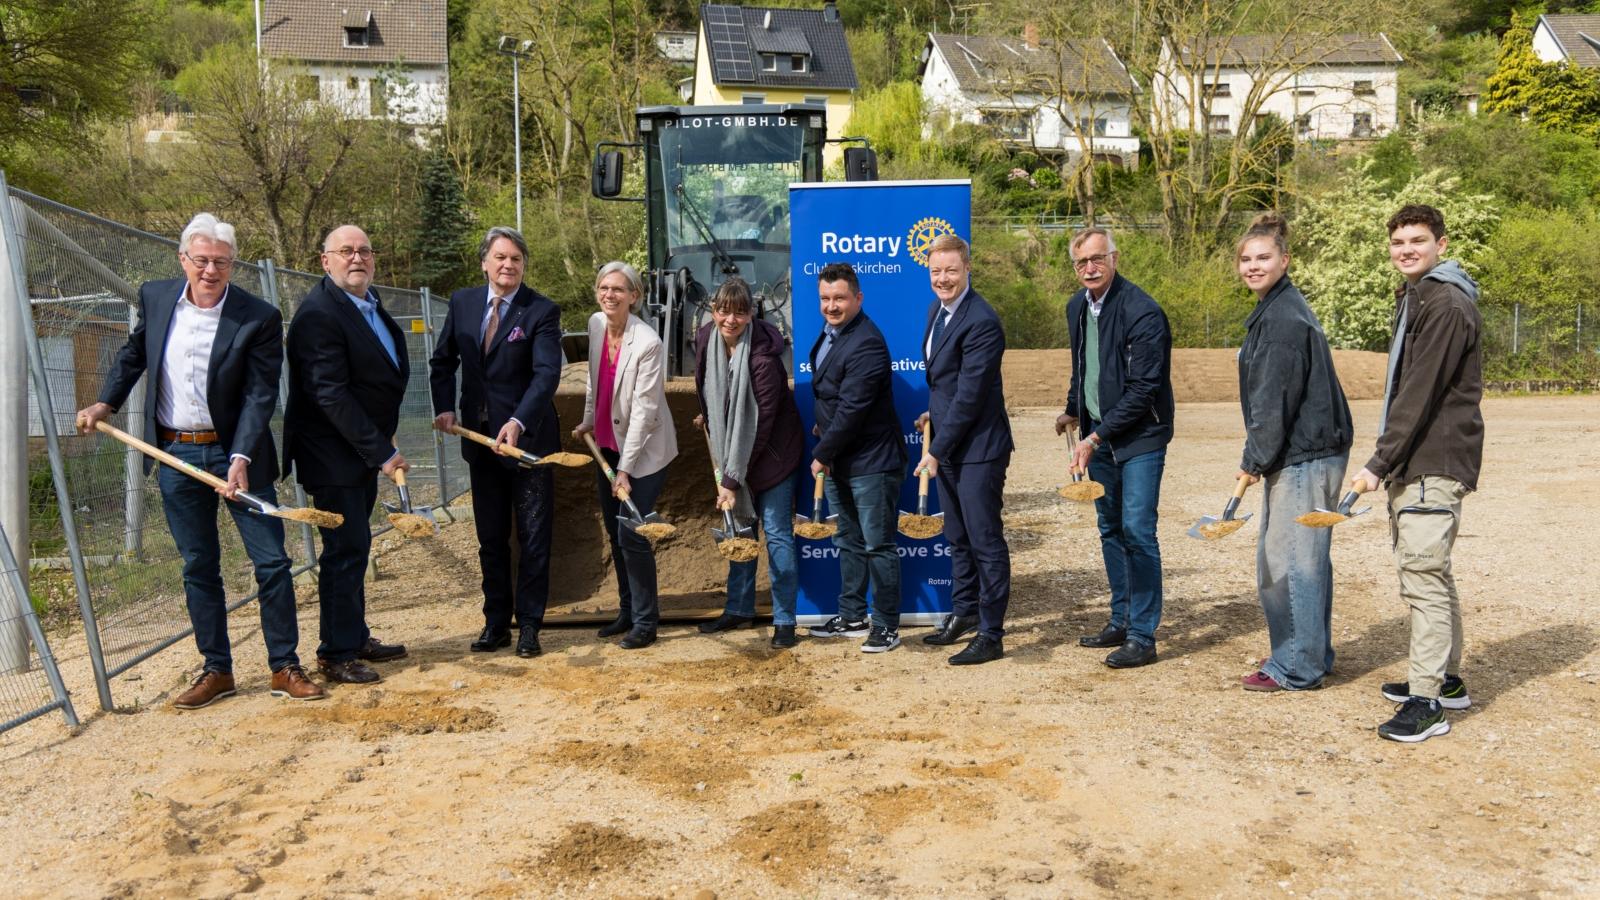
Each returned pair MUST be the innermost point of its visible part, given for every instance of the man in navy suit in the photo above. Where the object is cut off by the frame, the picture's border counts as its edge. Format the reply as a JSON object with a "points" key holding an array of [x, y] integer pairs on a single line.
{"points": [[347, 376], [969, 451], [213, 353], [506, 340], [860, 449]]}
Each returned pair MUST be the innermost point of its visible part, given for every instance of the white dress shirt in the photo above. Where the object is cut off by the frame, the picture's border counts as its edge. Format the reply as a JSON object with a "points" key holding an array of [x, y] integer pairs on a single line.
{"points": [[949, 313], [186, 367]]}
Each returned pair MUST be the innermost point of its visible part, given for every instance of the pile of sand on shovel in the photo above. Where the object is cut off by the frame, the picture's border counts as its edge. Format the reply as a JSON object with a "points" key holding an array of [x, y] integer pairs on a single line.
{"points": [[411, 524], [315, 517], [1221, 529], [738, 549], [920, 527], [654, 531], [1083, 491], [563, 458], [1320, 518], [815, 531]]}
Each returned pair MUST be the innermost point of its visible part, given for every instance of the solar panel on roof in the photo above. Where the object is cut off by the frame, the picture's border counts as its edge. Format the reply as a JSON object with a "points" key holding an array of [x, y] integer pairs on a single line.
{"points": [[730, 46]]}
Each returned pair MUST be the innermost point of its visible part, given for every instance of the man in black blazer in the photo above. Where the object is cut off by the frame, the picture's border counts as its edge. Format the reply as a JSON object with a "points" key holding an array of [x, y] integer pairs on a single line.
{"points": [[506, 340], [969, 451], [860, 449], [213, 353], [347, 376]]}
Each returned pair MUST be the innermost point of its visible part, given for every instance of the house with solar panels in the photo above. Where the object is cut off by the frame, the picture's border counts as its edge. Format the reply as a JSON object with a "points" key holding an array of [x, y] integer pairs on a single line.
{"points": [[749, 55]]}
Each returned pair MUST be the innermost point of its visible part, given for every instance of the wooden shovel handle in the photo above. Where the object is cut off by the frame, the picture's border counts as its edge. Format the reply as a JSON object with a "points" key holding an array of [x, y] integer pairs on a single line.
{"points": [[192, 471], [816, 493], [1244, 485], [485, 440], [594, 450], [927, 437]]}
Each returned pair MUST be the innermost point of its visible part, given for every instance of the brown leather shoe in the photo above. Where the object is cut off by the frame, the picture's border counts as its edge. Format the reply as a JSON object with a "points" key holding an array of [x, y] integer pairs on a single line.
{"points": [[292, 682], [207, 689], [350, 671], [377, 651]]}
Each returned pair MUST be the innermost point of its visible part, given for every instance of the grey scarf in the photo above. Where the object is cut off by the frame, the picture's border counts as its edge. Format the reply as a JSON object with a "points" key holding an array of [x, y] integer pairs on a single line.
{"points": [[731, 413]]}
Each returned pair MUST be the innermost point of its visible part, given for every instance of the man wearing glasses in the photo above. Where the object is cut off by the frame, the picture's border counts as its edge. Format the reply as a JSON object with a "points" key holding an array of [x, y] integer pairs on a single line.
{"points": [[1121, 395], [213, 353], [347, 375]]}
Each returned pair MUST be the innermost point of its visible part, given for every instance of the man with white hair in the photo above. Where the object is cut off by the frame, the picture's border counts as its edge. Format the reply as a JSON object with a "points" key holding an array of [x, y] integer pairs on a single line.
{"points": [[213, 353]]}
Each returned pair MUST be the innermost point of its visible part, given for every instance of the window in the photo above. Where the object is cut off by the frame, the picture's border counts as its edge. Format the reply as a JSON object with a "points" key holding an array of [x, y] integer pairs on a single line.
{"points": [[769, 62], [1362, 89], [352, 84], [1219, 89], [380, 98], [307, 87], [816, 101], [1220, 125], [1306, 90], [1361, 125], [1096, 128], [753, 99], [1010, 124], [1302, 123], [798, 62], [356, 37]]}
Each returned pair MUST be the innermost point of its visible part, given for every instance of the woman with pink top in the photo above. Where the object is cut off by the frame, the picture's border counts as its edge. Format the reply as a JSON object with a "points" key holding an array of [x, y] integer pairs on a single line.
{"points": [[626, 411]]}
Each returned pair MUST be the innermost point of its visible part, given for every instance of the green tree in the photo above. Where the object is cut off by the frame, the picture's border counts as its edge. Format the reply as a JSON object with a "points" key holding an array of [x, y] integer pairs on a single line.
{"points": [[1554, 96], [1516, 76], [443, 261]]}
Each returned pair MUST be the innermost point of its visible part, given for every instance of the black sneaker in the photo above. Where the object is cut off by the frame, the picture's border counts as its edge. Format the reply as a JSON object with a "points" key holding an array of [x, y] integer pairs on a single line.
{"points": [[881, 640], [1415, 721], [838, 627], [1452, 694]]}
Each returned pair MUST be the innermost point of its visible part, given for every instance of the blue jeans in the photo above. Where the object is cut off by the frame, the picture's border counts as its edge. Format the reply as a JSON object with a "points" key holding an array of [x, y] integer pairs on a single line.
{"points": [[1127, 516], [775, 508], [191, 510], [868, 517], [1294, 572]]}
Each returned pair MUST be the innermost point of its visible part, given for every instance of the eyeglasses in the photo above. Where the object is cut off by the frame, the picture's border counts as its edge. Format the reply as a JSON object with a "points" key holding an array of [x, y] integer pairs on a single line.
{"points": [[202, 263], [348, 253], [1097, 260]]}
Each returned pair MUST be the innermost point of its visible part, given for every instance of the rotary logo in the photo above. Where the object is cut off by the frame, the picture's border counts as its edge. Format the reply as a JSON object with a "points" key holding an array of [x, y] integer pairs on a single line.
{"points": [[923, 234]]}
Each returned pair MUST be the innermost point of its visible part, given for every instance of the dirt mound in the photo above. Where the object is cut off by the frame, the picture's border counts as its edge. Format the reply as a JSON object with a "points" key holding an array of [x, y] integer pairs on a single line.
{"points": [[787, 841], [380, 714], [683, 767], [1039, 377], [587, 849]]}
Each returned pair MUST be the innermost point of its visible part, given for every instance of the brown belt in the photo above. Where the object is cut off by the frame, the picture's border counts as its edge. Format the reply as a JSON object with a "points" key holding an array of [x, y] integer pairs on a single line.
{"points": [[185, 437]]}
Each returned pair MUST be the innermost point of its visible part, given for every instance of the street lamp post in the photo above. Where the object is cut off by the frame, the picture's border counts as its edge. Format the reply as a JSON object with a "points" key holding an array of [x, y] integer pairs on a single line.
{"points": [[517, 51]]}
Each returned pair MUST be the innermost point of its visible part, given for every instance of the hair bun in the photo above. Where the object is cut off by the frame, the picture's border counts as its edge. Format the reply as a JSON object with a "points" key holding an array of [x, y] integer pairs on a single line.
{"points": [[1270, 222]]}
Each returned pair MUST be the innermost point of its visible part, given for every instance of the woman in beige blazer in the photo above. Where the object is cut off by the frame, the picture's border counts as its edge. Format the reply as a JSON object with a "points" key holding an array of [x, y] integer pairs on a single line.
{"points": [[626, 411]]}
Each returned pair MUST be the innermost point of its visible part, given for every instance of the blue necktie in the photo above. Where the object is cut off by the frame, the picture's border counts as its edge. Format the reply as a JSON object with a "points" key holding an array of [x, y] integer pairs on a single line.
{"points": [[370, 311], [938, 329], [827, 344]]}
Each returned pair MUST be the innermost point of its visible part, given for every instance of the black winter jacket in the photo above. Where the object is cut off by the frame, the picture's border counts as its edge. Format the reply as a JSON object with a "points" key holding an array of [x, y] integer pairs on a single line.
{"points": [[1136, 402], [1294, 407]]}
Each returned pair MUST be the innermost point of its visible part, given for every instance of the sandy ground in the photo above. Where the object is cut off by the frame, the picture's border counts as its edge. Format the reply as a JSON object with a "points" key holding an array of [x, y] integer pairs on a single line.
{"points": [[711, 766]]}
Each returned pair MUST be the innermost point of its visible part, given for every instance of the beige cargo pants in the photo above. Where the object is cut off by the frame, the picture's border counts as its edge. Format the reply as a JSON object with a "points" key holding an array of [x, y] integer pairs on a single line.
{"points": [[1424, 516]]}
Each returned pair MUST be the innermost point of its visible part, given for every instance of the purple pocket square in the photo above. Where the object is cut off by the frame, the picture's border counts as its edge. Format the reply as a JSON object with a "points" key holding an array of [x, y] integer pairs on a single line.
{"points": [[517, 334]]}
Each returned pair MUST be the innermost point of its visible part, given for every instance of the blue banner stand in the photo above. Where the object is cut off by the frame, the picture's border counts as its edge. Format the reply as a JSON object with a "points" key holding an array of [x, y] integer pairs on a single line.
{"points": [[883, 228]]}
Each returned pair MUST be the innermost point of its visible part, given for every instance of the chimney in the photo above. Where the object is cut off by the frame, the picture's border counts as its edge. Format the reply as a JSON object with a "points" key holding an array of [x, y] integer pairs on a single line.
{"points": [[1030, 36], [830, 11]]}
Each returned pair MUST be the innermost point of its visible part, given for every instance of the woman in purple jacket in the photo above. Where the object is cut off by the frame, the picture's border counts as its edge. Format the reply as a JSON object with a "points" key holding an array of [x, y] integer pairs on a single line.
{"points": [[757, 441]]}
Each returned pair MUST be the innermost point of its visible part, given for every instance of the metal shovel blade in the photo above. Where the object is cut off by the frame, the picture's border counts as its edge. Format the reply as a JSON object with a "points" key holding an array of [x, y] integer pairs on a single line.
{"points": [[732, 528], [1327, 518], [1209, 528]]}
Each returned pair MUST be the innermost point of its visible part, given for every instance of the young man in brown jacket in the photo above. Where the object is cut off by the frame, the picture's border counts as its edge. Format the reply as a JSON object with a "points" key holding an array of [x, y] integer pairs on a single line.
{"points": [[1429, 451]]}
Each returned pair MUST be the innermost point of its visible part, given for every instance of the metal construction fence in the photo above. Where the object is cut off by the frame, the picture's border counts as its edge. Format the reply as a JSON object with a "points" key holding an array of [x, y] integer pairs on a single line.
{"points": [[81, 277], [30, 683], [1553, 343]]}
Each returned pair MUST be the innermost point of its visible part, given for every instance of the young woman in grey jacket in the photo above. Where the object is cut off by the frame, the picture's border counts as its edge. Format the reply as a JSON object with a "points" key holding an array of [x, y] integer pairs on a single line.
{"points": [[1297, 441]]}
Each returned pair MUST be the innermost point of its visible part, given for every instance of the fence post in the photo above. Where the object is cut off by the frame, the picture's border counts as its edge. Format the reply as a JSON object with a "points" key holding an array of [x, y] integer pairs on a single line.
{"points": [[438, 436], [1577, 340], [1516, 328], [31, 629], [14, 494], [133, 464], [58, 471]]}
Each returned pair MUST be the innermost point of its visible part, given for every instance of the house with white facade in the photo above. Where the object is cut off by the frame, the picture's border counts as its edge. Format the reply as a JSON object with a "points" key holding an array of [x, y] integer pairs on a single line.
{"points": [[372, 59], [1573, 39], [1332, 87], [1067, 97]]}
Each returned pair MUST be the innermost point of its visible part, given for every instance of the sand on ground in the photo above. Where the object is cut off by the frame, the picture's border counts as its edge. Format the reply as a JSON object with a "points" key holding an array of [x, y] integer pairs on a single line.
{"points": [[713, 764]]}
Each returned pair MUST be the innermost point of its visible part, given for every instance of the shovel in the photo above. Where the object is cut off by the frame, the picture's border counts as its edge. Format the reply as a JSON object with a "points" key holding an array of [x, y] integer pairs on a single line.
{"points": [[814, 528], [735, 542], [315, 517], [406, 519], [1082, 489], [919, 524], [1327, 518], [1209, 528], [651, 527], [524, 459]]}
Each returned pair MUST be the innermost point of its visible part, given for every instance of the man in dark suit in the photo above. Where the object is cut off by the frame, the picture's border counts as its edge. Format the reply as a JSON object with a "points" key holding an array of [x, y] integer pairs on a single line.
{"points": [[969, 451], [860, 450], [347, 376], [506, 340], [213, 353]]}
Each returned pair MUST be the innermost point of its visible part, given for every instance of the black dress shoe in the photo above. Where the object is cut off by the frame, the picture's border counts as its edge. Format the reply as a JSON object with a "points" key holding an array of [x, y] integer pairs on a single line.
{"points": [[1109, 636], [492, 639], [725, 622], [622, 624], [783, 637], [951, 630], [982, 649], [638, 639], [377, 651], [349, 671], [528, 643], [1131, 655]]}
